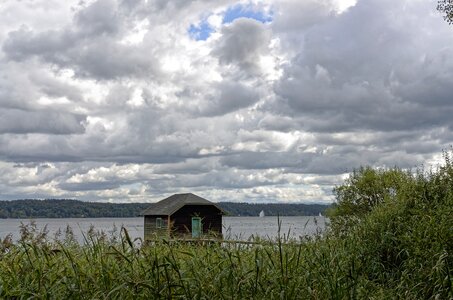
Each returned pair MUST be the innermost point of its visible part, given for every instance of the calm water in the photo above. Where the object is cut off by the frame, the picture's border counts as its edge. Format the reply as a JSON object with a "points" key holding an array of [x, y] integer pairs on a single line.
{"points": [[233, 227]]}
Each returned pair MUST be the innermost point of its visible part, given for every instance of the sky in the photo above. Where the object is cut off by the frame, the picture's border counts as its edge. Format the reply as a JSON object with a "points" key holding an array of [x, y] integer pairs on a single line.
{"points": [[256, 101]]}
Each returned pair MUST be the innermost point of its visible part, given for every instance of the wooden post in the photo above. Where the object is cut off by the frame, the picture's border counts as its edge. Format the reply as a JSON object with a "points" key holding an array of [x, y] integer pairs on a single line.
{"points": [[168, 227], [144, 228]]}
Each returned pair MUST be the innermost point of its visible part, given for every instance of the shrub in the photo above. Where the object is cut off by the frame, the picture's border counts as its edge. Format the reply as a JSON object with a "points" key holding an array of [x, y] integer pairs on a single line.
{"points": [[402, 225]]}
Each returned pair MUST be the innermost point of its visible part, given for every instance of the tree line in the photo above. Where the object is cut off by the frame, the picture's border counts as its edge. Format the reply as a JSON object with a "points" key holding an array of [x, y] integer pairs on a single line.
{"points": [[273, 209], [67, 208]]}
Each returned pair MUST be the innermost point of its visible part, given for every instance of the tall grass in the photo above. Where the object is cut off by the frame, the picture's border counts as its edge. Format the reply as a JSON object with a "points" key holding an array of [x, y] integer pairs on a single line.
{"points": [[400, 248], [318, 268]]}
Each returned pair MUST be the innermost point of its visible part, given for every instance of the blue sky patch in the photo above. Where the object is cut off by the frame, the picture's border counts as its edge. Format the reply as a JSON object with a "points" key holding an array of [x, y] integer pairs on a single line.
{"points": [[240, 11], [202, 31]]}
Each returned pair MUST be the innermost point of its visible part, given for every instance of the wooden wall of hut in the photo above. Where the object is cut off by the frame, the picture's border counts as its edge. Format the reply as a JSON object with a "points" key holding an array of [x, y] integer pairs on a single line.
{"points": [[210, 215], [151, 228]]}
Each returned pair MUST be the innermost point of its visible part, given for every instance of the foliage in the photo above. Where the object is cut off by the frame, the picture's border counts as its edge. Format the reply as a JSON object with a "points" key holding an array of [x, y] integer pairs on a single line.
{"points": [[402, 227], [106, 269], [362, 191], [399, 246], [366, 187], [446, 8], [119, 268]]}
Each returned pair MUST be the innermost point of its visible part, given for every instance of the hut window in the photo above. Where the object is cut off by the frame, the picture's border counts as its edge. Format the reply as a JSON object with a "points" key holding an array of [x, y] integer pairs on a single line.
{"points": [[160, 223]]}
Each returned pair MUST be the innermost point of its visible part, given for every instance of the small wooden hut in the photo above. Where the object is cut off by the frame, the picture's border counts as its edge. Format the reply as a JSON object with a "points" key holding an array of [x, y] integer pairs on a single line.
{"points": [[185, 215]]}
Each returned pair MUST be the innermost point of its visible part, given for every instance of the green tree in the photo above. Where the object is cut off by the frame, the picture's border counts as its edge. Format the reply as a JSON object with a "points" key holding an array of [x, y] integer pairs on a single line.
{"points": [[366, 188], [400, 225], [446, 8]]}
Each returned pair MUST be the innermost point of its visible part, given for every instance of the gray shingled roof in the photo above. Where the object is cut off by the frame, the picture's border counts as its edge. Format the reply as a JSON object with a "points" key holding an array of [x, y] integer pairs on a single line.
{"points": [[170, 205]]}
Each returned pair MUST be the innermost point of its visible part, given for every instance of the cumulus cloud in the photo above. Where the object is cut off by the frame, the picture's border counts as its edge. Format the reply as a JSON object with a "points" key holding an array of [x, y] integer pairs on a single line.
{"points": [[19, 121], [379, 75], [100, 58], [293, 17], [120, 101], [227, 97], [90, 45], [243, 43]]}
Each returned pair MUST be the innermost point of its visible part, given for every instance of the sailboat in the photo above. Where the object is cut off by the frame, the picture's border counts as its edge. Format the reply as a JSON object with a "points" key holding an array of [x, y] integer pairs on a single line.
{"points": [[261, 213]]}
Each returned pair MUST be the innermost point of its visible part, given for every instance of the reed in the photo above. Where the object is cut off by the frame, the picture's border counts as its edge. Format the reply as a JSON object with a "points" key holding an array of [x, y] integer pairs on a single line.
{"points": [[317, 268], [401, 248]]}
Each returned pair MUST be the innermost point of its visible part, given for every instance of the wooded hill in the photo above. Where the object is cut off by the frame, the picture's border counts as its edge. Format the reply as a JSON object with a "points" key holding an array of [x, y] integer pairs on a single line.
{"points": [[65, 208]]}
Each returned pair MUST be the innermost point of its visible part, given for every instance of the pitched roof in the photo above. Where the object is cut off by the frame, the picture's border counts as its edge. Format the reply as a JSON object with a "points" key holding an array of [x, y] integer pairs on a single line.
{"points": [[170, 205]]}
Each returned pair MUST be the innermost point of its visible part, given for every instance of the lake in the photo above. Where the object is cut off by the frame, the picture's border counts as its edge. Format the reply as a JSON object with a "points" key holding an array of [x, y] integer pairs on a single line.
{"points": [[241, 228]]}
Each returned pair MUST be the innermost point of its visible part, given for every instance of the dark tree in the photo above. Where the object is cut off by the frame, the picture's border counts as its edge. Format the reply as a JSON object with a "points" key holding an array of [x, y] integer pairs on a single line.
{"points": [[446, 8]]}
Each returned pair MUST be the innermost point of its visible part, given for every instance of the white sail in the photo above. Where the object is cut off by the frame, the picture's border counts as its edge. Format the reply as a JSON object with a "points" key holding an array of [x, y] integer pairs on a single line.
{"points": [[262, 213]]}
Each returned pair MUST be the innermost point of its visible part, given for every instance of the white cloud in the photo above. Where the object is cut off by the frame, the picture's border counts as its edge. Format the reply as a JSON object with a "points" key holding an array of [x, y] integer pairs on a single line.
{"points": [[110, 100]]}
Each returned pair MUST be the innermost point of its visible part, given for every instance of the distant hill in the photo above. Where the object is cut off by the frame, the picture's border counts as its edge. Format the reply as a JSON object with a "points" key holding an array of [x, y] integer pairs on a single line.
{"points": [[66, 208], [273, 209]]}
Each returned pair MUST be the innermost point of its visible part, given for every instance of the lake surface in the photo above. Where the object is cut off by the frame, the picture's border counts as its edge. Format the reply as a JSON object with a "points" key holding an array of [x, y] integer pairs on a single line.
{"points": [[241, 228]]}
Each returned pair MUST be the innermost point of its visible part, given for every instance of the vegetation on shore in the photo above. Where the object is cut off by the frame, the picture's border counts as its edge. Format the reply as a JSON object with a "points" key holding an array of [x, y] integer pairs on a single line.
{"points": [[66, 208], [391, 238]]}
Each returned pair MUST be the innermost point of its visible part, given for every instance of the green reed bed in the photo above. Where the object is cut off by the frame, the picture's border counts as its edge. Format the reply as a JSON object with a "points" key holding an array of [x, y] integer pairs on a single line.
{"points": [[319, 268], [105, 269]]}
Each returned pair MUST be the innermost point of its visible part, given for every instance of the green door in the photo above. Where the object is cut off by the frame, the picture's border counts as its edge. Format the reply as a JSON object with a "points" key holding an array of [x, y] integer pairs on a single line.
{"points": [[196, 227]]}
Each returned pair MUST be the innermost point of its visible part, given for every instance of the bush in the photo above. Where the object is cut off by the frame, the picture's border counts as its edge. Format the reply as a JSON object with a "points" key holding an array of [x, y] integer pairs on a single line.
{"points": [[402, 225]]}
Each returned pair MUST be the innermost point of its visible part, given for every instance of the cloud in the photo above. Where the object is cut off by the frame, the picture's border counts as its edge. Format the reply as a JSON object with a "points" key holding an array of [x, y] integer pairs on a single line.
{"points": [[90, 45], [378, 75], [20, 122], [100, 18], [238, 11], [228, 97], [293, 17], [242, 43], [116, 100], [100, 58]]}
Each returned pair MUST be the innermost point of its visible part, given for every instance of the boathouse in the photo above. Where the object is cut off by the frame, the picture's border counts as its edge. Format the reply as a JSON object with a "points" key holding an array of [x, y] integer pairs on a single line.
{"points": [[186, 215]]}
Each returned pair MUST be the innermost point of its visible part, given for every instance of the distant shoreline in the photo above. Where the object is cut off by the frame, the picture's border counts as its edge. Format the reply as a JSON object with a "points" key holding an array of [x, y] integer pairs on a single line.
{"points": [[67, 208]]}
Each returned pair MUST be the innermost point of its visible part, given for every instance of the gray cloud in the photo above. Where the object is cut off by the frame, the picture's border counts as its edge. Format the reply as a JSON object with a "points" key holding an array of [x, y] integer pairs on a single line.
{"points": [[266, 160], [113, 100], [227, 97], [101, 58], [90, 46], [55, 88], [99, 18], [19, 122], [277, 123], [378, 75], [242, 43], [89, 186], [340, 161], [296, 16]]}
